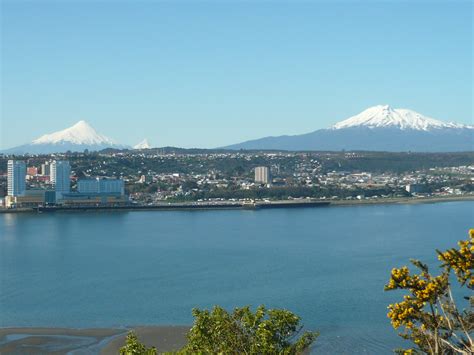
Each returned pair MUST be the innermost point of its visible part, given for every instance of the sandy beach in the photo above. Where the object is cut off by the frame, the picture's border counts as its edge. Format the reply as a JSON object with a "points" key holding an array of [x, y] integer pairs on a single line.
{"points": [[164, 338], [87, 340]]}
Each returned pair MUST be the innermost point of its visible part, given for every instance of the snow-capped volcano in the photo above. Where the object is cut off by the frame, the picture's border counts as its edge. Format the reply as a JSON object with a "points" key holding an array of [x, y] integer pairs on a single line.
{"points": [[378, 128], [388, 117], [142, 145], [76, 138], [80, 133]]}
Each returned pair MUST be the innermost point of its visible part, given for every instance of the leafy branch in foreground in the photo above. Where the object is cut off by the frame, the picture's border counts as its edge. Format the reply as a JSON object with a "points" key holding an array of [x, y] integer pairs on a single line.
{"points": [[272, 331], [134, 347], [267, 331], [428, 314]]}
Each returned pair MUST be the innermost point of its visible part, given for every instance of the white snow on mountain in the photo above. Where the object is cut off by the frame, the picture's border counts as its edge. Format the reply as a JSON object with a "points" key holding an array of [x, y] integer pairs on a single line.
{"points": [[77, 138], [142, 145], [384, 116], [81, 133]]}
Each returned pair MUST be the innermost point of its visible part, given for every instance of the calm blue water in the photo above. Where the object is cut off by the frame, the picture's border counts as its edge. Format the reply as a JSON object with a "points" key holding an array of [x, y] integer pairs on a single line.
{"points": [[328, 265]]}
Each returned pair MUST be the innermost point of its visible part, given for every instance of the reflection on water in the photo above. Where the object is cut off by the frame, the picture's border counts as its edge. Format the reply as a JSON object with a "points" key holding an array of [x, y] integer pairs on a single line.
{"points": [[9, 219]]}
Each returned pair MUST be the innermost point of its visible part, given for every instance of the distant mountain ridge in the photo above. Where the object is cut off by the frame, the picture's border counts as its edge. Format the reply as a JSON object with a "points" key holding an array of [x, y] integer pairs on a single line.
{"points": [[378, 128], [77, 138]]}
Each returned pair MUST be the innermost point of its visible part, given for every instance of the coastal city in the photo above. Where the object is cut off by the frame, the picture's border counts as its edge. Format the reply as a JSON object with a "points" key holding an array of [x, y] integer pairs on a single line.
{"points": [[168, 176], [236, 177]]}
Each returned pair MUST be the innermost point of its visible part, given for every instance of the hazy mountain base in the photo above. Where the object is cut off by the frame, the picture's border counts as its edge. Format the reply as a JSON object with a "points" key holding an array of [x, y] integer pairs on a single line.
{"points": [[371, 139], [57, 148]]}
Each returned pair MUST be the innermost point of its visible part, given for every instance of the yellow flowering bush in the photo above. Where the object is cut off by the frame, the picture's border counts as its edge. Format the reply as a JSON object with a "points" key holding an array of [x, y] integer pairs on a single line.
{"points": [[461, 260], [428, 315]]}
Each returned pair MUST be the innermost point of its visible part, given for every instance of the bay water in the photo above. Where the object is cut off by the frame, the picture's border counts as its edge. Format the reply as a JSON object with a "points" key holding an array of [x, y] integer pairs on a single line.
{"points": [[328, 265]]}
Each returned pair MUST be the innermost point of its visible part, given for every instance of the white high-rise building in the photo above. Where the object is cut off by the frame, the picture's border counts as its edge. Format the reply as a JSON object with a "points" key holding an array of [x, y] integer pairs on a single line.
{"points": [[16, 178], [46, 168], [262, 175], [60, 177], [101, 186]]}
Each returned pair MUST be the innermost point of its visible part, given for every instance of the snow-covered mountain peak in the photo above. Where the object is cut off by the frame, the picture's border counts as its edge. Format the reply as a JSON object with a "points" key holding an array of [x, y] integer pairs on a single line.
{"points": [[80, 133], [142, 145], [386, 109], [384, 116], [82, 125]]}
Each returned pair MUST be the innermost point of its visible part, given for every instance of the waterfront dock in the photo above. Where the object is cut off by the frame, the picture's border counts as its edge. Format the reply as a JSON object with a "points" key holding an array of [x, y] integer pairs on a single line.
{"points": [[227, 205], [184, 206], [238, 205]]}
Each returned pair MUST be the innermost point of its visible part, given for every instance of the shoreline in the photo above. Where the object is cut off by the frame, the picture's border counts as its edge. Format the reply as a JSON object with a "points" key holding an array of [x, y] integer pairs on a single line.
{"points": [[30, 340], [402, 200], [195, 206]]}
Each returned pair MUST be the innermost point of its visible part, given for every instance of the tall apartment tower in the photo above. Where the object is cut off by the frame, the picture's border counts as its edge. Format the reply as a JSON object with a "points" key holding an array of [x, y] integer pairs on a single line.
{"points": [[46, 168], [262, 175], [60, 177], [16, 178]]}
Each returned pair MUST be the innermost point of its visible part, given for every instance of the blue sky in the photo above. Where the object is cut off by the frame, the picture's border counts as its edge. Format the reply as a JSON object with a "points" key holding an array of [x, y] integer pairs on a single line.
{"points": [[207, 74]]}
